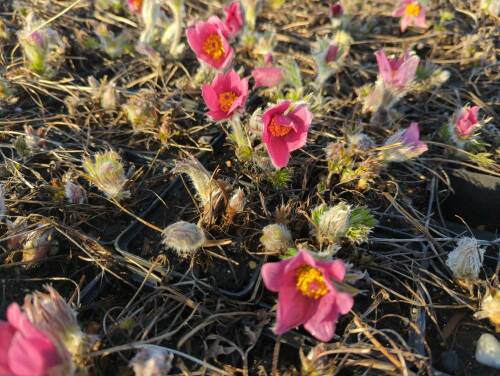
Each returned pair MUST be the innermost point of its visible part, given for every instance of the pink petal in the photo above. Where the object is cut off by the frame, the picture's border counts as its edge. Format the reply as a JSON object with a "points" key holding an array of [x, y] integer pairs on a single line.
{"points": [[406, 72], [33, 356], [301, 258], [384, 66], [333, 269], [420, 19], [278, 151], [344, 302], [322, 323], [399, 11], [293, 309], [7, 332], [405, 22], [302, 118], [210, 97], [272, 274], [278, 109], [267, 76]]}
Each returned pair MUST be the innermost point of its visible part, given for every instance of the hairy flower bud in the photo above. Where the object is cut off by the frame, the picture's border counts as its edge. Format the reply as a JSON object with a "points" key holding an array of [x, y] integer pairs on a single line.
{"points": [[152, 361], [106, 173], [466, 259], [331, 223], [37, 243], [74, 193], [141, 112], [236, 204], [276, 238], [184, 238]]}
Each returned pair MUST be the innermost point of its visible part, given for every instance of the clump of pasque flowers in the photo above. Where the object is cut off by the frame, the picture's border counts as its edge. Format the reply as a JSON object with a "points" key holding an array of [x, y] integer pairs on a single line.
{"points": [[43, 48], [333, 224], [106, 172], [393, 82]]}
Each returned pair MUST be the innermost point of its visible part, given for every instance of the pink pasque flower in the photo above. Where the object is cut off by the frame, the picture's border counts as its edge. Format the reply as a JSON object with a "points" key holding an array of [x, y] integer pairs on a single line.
{"points": [[285, 130], [307, 294], [208, 42], [24, 349], [336, 10], [267, 76], [412, 13], [466, 121], [405, 144], [234, 19], [135, 6], [226, 94], [397, 72]]}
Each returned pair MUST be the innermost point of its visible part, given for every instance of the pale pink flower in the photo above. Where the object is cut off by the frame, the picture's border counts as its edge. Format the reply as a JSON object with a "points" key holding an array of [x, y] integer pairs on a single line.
{"points": [[135, 6], [233, 21], [412, 13], [336, 10], [285, 130], [307, 294], [267, 76], [24, 349], [466, 121], [397, 72], [225, 95], [209, 43], [404, 145]]}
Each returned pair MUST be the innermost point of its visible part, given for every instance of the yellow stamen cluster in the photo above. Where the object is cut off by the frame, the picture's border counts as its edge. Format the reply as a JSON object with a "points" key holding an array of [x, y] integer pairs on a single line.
{"points": [[213, 46], [226, 100], [311, 282], [413, 10], [278, 130]]}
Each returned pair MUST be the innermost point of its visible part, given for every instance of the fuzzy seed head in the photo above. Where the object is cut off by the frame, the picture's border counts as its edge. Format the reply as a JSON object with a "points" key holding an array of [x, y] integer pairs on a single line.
{"points": [[331, 222], [276, 238], [106, 173], [152, 361], [466, 259], [183, 238]]}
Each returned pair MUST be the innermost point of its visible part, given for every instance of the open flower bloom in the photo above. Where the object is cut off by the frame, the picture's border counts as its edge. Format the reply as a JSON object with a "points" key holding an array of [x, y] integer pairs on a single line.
{"points": [[307, 294], [234, 19], [404, 145], [412, 13], [397, 72], [465, 121], [208, 42], [135, 6], [226, 94], [285, 130], [24, 349], [267, 76]]}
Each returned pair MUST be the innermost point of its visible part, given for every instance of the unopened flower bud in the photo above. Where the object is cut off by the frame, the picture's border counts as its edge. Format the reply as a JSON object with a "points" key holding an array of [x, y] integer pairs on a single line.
{"points": [[141, 112], [74, 193], [109, 97], [236, 204], [106, 173], [276, 238], [184, 238], [37, 244], [152, 361], [466, 259], [331, 223]]}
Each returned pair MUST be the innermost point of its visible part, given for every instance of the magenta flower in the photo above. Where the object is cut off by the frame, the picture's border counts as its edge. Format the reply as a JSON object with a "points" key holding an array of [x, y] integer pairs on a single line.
{"points": [[397, 72], [234, 19], [226, 94], [307, 294], [336, 10], [466, 121], [405, 145], [285, 130], [267, 76], [208, 42], [24, 349], [412, 13]]}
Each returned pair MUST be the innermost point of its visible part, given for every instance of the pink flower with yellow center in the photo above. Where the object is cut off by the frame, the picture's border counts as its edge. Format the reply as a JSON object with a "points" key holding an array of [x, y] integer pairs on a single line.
{"points": [[208, 42], [285, 130], [412, 13], [135, 6], [397, 72], [466, 121], [307, 294], [26, 350], [233, 21], [225, 95]]}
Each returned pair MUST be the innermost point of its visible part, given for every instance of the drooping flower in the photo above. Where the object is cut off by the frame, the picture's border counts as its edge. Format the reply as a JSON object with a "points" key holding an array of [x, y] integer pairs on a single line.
{"points": [[233, 21], [465, 121], [208, 42], [268, 76], [412, 13], [25, 349], [404, 145], [152, 361], [225, 95], [466, 259], [396, 72], [307, 294], [285, 130]]}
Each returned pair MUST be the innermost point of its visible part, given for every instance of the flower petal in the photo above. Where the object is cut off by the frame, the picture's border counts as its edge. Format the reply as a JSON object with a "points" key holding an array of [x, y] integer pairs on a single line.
{"points": [[273, 273], [293, 309], [278, 151]]}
